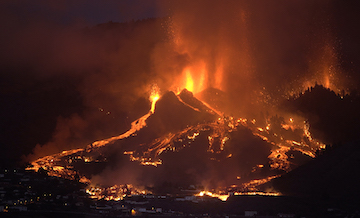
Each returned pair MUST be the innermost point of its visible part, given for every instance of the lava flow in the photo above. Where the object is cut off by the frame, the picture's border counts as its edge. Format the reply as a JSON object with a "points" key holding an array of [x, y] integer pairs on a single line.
{"points": [[46, 162]]}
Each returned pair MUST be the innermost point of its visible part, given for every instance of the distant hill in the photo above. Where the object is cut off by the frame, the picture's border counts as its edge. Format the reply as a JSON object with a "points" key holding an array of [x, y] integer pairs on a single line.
{"points": [[333, 176], [333, 118]]}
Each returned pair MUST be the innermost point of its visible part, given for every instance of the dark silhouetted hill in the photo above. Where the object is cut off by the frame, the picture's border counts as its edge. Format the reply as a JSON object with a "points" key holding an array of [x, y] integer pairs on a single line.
{"points": [[333, 118], [331, 177]]}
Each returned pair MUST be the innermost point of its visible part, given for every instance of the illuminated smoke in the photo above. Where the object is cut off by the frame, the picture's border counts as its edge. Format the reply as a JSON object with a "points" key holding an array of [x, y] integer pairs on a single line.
{"points": [[254, 51]]}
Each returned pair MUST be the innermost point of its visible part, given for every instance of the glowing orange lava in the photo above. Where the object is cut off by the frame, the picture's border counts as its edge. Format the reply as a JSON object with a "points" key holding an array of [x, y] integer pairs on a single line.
{"points": [[154, 96], [222, 197], [193, 78], [189, 81]]}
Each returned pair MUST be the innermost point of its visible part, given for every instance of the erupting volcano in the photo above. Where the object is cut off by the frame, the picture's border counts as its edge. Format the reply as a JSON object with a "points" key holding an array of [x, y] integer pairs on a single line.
{"points": [[216, 119], [207, 98], [183, 141]]}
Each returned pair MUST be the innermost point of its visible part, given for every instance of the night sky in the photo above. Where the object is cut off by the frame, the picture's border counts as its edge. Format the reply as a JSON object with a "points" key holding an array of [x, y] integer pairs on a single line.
{"points": [[83, 12]]}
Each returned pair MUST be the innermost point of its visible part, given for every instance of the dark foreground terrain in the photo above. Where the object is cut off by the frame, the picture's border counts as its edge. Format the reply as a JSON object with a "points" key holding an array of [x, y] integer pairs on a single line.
{"points": [[29, 194]]}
